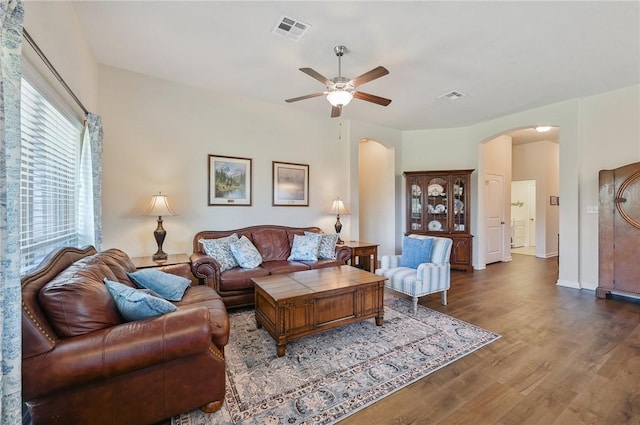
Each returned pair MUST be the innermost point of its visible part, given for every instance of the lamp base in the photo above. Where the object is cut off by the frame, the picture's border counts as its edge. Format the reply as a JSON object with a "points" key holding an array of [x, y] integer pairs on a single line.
{"points": [[159, 256], [159, 234], [338, 227]]}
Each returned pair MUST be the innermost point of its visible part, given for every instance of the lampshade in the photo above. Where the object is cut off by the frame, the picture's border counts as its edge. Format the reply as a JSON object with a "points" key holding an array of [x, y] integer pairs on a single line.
{"points": [[338, 208], [339, 97], [159, 206]]}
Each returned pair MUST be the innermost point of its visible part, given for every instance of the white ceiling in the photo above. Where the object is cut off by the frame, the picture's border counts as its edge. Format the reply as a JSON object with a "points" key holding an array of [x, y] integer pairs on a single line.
{"points": [[505, 57]]}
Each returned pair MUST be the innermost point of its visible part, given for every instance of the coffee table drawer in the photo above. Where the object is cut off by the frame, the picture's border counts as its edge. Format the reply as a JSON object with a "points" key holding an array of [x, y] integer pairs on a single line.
{"points": [[330, 309]]}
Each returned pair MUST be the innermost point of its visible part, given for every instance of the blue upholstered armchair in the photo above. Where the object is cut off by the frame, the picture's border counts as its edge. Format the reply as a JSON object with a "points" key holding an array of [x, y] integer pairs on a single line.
{"points": [[422, 269]]}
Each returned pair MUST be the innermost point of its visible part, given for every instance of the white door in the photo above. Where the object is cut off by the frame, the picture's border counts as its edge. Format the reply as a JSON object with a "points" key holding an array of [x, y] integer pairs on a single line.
{"points": [[519, 233], [494, 196]]}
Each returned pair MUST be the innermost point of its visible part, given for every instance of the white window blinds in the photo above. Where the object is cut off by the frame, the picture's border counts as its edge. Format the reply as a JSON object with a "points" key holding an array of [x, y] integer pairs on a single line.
{"points": [[48, 178]]}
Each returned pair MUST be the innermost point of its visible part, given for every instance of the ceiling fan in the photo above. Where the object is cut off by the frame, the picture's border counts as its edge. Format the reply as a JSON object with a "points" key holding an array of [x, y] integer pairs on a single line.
{"points": [[341, 90]]}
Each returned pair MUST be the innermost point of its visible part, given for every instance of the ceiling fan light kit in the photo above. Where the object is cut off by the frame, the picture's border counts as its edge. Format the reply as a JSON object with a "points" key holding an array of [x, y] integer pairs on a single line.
{"points": [[341, 90], [339, 97]]}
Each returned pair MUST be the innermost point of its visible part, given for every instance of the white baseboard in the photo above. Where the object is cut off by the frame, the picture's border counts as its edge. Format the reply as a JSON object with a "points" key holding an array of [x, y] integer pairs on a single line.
{"points": [[568, 284]]}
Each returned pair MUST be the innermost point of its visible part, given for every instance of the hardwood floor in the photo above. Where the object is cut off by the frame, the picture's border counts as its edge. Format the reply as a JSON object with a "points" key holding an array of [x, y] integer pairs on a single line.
{"points": [[565, 357]]}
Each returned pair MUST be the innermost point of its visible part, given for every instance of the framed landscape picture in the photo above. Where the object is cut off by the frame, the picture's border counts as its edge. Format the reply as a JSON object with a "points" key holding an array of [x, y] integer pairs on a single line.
{"points": [[229, 180], [290, 184]]}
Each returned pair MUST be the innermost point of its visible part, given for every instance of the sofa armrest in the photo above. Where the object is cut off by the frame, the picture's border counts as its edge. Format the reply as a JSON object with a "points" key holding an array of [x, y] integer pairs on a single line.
{"points": [[206, 268], [182, 270], [343, 253], [389, 262], [437, 272], [117, 350]]}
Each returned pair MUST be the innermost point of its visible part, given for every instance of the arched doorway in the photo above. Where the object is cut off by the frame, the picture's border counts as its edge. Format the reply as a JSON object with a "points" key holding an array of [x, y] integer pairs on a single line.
{"points": [[376, 172], [520, 154]]}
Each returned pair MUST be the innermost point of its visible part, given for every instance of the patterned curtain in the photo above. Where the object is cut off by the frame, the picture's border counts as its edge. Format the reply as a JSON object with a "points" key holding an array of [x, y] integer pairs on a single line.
{"points": [[90, 206], [11, 21]]}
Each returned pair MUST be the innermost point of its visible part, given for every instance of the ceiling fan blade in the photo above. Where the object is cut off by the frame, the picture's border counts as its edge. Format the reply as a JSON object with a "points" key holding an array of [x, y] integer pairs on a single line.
{"points": [[335, 111], [372, 98], [314, 74], [308, 96], [369, 76]]}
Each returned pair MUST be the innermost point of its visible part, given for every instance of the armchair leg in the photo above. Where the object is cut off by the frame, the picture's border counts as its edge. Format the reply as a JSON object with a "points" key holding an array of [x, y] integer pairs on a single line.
{"points": [[415, 304], [214, 406], [444, 297]]}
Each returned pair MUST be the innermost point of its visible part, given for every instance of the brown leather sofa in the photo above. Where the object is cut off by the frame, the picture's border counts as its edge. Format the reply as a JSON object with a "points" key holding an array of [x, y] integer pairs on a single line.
{"points": [[108, 371], [274, 244]]}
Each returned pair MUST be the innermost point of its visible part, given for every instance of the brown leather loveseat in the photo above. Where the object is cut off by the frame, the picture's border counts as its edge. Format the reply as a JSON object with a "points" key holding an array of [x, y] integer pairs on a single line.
{"points": [[274, 245], [82, 363]]}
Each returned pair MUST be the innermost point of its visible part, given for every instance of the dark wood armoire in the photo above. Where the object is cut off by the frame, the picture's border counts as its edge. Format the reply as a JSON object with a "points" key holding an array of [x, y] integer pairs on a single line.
{"points": [[619, 231]]}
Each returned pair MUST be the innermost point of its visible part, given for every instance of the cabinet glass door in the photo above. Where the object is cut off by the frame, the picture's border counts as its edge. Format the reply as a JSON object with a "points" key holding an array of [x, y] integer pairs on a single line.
{"points": [[458, 193], [436, 209], [416, 204]]}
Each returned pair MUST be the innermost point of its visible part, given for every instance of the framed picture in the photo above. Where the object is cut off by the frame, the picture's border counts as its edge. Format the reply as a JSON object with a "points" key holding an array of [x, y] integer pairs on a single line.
{"points": [[290, 184], [229, 180], [554, 200]]}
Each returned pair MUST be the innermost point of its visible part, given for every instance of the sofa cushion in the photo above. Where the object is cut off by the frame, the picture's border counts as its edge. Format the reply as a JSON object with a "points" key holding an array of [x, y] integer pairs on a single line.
{"points": [[245, 253], [415, 252], [305, 247], [76, 302], [273, 244], [119, 263], [237, 279], [138, 304], [169, 286], [280, 267], [327, 247], [219, 250], [323, 263]]}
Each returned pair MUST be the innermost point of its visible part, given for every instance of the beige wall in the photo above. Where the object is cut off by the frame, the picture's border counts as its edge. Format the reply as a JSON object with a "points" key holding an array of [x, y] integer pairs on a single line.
{"points": [[55, 28], [157, 138]]}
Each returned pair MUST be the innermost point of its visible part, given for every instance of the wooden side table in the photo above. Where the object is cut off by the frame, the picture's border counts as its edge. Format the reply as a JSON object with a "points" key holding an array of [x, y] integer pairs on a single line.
{"points": [[364, 254], [148, 262]]}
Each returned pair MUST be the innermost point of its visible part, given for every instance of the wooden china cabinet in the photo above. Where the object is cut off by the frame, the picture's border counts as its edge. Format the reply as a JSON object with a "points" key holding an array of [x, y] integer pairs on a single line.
{"points": [[438, 204]]}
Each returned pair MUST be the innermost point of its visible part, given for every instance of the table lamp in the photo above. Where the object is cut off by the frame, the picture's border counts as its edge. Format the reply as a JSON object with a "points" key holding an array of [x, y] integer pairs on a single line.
{"points": [[159, 207], [337, 208]]}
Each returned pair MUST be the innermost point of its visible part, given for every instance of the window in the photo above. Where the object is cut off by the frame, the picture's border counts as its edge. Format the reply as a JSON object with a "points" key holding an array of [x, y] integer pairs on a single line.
{"points": [[50, 153]]}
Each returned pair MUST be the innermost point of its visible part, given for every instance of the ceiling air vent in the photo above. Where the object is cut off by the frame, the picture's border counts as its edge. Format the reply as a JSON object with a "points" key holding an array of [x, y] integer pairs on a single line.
{"points": [[290, 28], [452, 95]]}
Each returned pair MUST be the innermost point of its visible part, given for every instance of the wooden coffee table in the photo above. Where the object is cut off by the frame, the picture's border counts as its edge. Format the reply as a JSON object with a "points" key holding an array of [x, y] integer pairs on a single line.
{"points": [[294, 305]]}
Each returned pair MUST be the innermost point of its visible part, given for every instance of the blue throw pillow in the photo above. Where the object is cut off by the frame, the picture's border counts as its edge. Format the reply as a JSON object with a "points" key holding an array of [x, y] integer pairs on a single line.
{"points": [[137, 304], [415, 252], [169, 286], [305, 248]]}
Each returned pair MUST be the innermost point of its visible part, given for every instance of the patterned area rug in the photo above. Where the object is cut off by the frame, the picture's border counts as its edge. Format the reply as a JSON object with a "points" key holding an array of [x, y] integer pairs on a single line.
{"points": [[327, 377]]}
